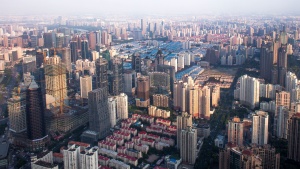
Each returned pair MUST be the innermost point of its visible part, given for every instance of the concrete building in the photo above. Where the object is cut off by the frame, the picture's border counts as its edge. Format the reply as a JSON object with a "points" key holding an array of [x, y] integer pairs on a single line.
{"points": [[188, 145], [99, 117], [293, 138], [182, 122], [160, 100], [260, 123], [112, 109], [143, 89], [122, 106], [17, 110], [215, 95], [85, 86], [236, 131], [249, 91], [282, 99]]}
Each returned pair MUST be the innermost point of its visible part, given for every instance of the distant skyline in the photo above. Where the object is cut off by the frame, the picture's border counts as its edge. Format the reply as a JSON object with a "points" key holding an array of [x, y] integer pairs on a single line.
{"points": [[144, 7]]}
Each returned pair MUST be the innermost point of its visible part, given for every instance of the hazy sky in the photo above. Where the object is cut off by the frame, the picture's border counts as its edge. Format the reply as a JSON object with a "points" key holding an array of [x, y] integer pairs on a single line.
{"points": [[63, 7]]}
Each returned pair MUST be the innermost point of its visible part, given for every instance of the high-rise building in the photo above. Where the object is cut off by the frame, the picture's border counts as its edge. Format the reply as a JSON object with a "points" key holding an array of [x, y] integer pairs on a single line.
{"points": [[143, 89], [188, 145], [129, 81], [294, 138], [282, 99], [101, 73], [112, 109], [253, 156], [115, 78], [282, 121], [49, 40], [205, 98], [236, 131], [85, 86], [99, 117], [291, 81], [180, 96], [122, 106], [92, 40], [260, 123], [84, 50], [282, 65], [74, 52], [183, 121], [59, 37], [35, 112], [65, 54], [249, 91], [56, 82], [160, 100], [17, 110], [159, 82], [136, 62], [194, 103], [215, 95], [266, 62]]}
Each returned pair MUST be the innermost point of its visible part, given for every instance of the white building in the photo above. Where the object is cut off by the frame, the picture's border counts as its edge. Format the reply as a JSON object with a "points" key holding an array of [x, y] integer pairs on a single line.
{"points": [[122, 106], [249, 91], [188, 145], [85, 86], [260, 122], [112, 109]]}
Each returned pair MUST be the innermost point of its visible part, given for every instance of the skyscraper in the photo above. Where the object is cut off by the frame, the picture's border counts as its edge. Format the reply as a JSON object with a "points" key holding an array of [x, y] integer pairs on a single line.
{"points": [[260, 123], [85, 86], [92, 40], [65, 54], [17, 110], [136, 62], [122, 106], [294, 138], [143, 87], [101, 73], [236, 131], [35, 112], [84, 50], [282, 99], [56, 82], [115, 78], [99, 117], [183, 121], [112, 108], [282, 65], [188, 145], [266, 62], [249, 91], [74, 54]]}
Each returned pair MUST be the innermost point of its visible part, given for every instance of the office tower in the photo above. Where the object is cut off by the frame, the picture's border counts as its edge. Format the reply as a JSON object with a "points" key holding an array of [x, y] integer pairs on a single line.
{"points": [[92, 40], [65, 55], [266, 62], [55, 82], [17, 110], [291, 81], [74, 52], [294, 138], [136, 62], [282, 65], [159, 82], [115, 78], [122, 106], [143, 87], [84, 49], [98, 111], [59, 40], [212, 56], [143, 26], [249, 91], [183, 121], [260, 122], [101, 73], [159, 60], [160, 100], [215, 95], [39, 58], [85, 86], [49, 39], [129, 81], [29, 64], [35, 112], [112, 107], [104, 38], [188, 145], [98, 38], [236, 131], [34, 41]]}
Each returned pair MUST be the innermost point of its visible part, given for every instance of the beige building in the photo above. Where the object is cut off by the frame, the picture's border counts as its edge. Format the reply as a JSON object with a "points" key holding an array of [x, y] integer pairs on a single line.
{"points": [[235, 131], [282, 99], [215, 95], [85, 86], [160, 100], [188, 145], [182, 122], [156, 112]]}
